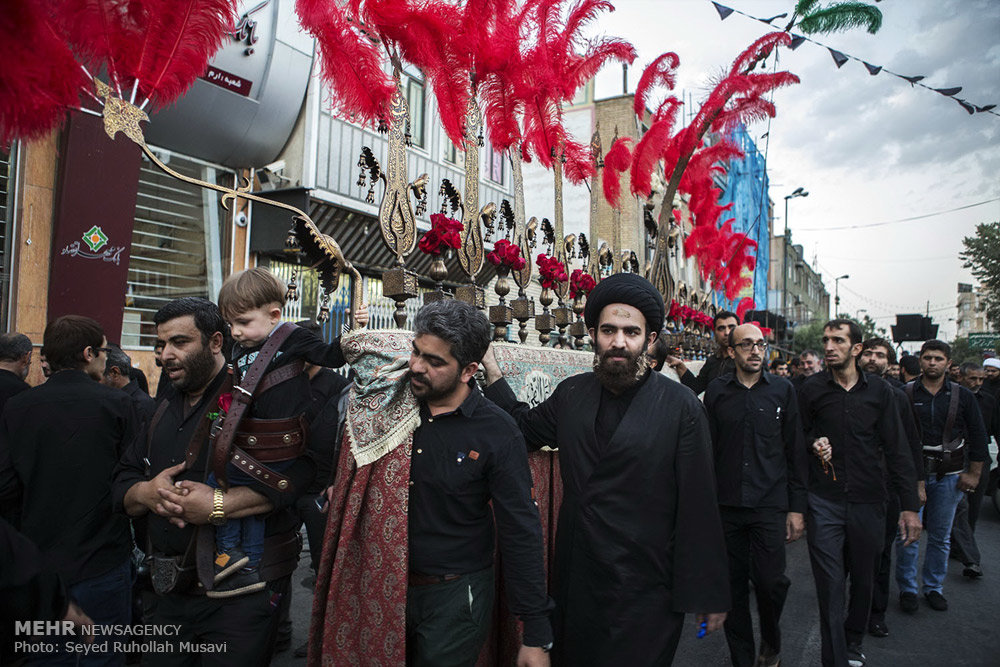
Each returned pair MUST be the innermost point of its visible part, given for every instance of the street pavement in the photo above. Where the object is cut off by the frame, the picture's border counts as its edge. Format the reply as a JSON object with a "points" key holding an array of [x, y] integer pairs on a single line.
{"points": [[964, 636]]}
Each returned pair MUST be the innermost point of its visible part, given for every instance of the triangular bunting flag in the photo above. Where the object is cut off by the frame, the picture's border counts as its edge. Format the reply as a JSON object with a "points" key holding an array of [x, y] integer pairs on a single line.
{"points": [[724, 11], [912, 79], [768, 21], [797, 41], [838, 57], [873, 69], [965, 105], [948, 92], [988, 107]]}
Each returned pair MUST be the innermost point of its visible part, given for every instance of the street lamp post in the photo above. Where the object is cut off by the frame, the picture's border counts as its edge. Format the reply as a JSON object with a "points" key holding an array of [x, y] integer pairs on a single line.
{"points": [[798, 192], [836, 294]]}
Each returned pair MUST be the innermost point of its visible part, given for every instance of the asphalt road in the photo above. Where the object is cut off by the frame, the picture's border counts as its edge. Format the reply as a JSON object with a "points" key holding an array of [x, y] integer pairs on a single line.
{"points": [[964, 636]]}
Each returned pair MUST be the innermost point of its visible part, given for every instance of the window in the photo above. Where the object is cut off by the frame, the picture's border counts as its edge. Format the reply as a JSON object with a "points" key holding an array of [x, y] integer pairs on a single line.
{"points": [[176, 243], [415, 103], [6, 218], [452, 154], [494, 165]]}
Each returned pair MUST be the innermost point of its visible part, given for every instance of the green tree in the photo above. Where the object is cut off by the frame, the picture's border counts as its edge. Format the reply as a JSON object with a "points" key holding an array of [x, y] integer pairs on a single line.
{"points": [[961, 352], [982, 256], [808, 337]]}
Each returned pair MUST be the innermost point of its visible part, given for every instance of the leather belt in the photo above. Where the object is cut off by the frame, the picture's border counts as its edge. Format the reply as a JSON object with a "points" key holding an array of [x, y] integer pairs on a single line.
{"points": [[279, 375], [271, 440], [429, 579]]}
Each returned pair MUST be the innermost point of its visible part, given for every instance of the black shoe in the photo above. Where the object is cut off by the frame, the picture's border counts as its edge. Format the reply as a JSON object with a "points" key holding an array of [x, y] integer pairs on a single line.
{"points": [[229, 563], [878, 629], [855, 658], [908, 602], [972, 571], [936, 601], [243, 582], [301, 651]]}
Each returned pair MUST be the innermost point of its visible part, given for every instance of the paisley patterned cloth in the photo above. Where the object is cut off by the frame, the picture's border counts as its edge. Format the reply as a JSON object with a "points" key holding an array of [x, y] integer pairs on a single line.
{"points": [[359, 606]]}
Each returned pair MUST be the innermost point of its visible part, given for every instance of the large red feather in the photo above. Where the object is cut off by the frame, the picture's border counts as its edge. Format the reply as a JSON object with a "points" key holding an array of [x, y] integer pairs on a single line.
{"points": [[579, 162], [646, 156], [660, 72], [39, 84], [352, 64], [616, 162], [179, 37]]}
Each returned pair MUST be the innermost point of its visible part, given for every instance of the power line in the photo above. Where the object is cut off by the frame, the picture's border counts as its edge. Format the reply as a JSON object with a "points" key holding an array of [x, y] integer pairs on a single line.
{"points": [[893, 222]]}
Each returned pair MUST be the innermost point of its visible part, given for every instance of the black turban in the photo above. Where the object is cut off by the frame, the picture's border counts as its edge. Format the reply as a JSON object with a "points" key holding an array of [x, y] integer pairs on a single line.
{"points": [[630, 289]]}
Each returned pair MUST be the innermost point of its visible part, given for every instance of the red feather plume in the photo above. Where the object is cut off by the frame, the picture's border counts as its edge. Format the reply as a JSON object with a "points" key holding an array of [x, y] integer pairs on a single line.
{"points": [[352, 64], [746, 304], [579, 164], [39, 84], [646, 156], [178, 39], [660, 72], [616, 162]]}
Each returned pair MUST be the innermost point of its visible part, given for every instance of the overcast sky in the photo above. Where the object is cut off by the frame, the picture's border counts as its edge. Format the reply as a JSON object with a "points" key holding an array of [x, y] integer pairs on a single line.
{"points": [[868, 149]]}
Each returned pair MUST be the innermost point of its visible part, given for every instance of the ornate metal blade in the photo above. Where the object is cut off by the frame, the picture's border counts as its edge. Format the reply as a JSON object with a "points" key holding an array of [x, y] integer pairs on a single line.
{"points": [[395, 215], [470, 253]]}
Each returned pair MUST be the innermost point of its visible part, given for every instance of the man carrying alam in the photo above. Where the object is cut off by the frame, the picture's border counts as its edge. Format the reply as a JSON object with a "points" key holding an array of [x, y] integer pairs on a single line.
{"points": [[639, 540]]}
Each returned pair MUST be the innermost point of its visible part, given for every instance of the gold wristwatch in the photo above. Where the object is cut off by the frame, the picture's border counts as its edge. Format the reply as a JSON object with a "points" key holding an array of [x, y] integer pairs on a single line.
{"points": [[217, 516]]}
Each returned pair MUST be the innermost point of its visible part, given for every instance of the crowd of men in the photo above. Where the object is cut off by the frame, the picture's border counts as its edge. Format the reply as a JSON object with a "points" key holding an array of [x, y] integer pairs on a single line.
{"points": [[114, 503]]}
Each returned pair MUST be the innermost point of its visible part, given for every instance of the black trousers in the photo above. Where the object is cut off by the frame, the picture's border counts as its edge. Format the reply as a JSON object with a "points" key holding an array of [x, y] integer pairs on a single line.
{"points": [[880, 593], [447, 623], [963, 537], [232, 631], [755, 541], [843, 537]]}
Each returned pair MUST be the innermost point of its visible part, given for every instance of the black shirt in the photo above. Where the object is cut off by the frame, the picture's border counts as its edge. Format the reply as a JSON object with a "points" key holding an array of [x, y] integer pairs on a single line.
{"points": [[931, 412], [10, 385], [715, 366], [461, 461], [989, 408], [757, 439], [324, 428], [170, 438], [611, 411], [142, 402], [59, 443], [863, 425]]}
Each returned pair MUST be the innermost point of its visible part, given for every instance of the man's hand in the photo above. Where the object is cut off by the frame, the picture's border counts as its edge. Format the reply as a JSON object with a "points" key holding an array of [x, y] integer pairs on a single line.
{"points": [[969, 480], [189, 502], [823, 449], [490, 366], [922, 492], [532, 656], [712, 622], [676, 364], [795, 525], [78, 618], [145, 496], [909, 527], [361, 317]]}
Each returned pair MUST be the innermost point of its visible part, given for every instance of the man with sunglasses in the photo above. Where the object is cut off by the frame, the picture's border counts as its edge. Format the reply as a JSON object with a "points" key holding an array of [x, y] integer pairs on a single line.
{"points": [[757, 439], [59, 443]]}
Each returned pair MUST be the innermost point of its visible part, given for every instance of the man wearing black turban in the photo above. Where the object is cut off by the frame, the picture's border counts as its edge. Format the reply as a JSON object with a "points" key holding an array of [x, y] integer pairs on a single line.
{"points": [[639, 540]]}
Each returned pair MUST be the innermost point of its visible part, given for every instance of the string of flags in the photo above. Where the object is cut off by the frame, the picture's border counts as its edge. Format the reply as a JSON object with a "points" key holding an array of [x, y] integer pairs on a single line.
{"points": [[840, 58]]}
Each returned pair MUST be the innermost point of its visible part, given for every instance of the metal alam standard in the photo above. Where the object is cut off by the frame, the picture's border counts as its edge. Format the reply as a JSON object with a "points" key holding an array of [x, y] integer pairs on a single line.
{"points": [[498, 69]]}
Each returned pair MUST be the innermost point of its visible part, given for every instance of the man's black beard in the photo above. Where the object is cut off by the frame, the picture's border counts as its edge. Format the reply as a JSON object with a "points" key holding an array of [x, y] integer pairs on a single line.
{"points": [[198, 371], [616, 378], [431, 393]]}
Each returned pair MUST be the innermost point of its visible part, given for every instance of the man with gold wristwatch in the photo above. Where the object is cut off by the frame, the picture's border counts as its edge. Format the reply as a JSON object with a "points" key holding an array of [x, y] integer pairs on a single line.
{"points": [[161, 478]]}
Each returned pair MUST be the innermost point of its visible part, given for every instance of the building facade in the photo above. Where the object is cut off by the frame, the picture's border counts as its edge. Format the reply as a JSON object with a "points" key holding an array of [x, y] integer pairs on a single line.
{"points": [[971, 316]]}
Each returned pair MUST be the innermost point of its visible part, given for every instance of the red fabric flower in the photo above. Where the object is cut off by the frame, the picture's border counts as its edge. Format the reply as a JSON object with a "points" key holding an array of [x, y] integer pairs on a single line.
{"points": [[551, 271], [505, 252], [225, 400], [581, 282], [444, 233]]}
